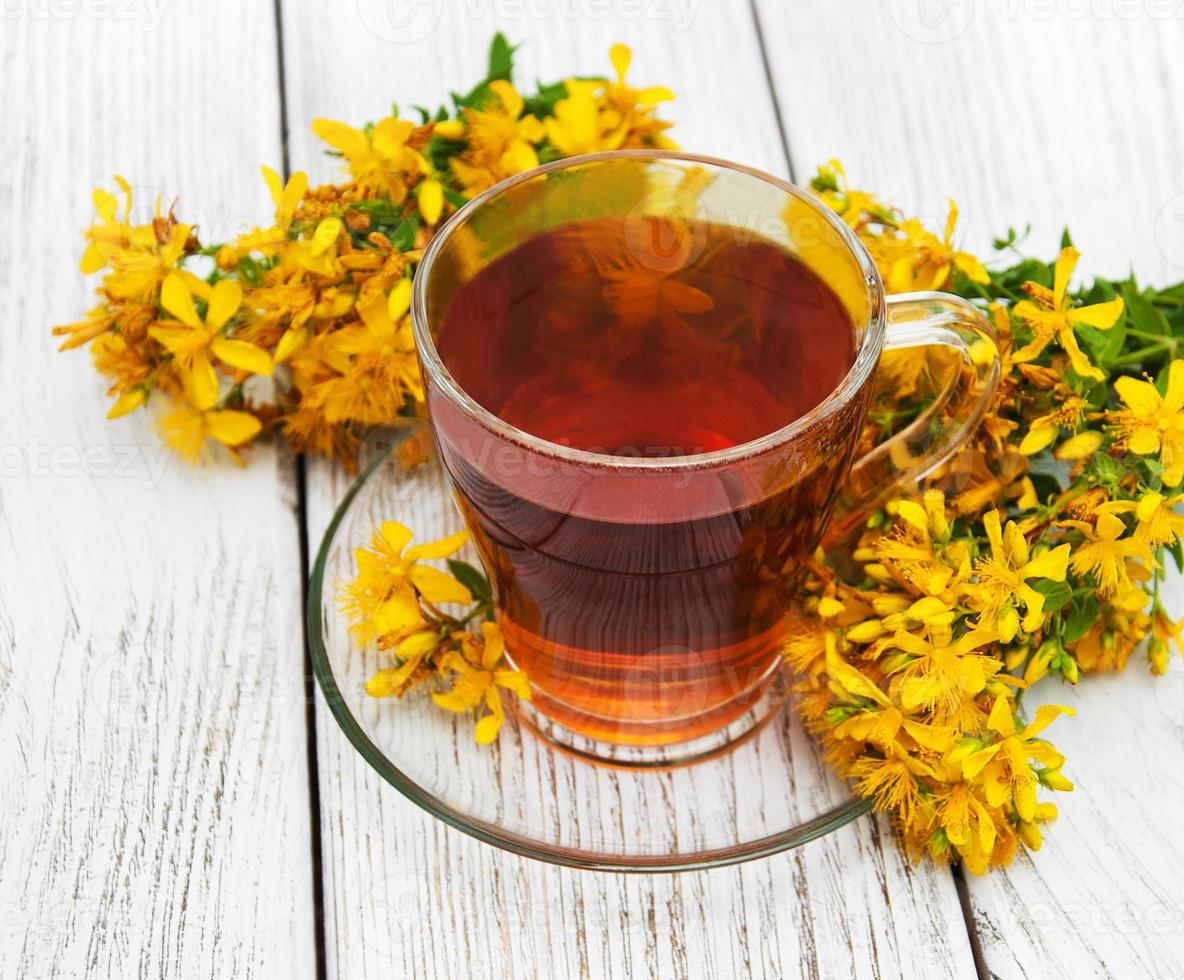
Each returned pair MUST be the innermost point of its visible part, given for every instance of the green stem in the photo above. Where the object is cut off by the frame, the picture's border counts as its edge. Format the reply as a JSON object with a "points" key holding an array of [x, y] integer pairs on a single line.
{"points": [[1137, 356]]}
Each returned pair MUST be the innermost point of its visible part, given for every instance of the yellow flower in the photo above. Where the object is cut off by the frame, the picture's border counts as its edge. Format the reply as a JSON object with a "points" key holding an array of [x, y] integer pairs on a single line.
{"points": [[891, 782], [1002, 767], [940, 673], [1043, 431], [285, 197], [1165, 633], [1105, 552], [967, 823], [1157, 521], [382, 599], [1081, 446], [1002, 577], [853, 206], [375, 361], [1153, 423], [1050, 314], [580, 126], [394, 681], [192, 343], [623, 95], [429, 198], [1029, 830], [927, 260], [380, 160], [139, 256], [478, 683], [501, 141], [186, 429]]}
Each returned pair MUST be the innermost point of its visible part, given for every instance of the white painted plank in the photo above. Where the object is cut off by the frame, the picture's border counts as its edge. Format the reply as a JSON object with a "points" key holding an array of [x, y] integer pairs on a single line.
{"points": [[154, 812], [405, 894], [1049, 113]]}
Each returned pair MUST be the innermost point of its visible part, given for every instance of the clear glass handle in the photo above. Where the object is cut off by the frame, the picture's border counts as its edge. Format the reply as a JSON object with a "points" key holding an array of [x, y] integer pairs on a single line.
{"points": [[927, 320]]}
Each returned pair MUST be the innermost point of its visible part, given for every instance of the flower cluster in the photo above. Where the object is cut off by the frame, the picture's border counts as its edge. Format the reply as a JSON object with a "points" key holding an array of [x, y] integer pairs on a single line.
{"points": [[1038, 550], [302, 327], [395, 601]]}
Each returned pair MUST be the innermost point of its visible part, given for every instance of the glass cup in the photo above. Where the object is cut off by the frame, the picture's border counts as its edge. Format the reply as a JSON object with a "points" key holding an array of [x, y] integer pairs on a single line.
{"points": [[647, 597]]}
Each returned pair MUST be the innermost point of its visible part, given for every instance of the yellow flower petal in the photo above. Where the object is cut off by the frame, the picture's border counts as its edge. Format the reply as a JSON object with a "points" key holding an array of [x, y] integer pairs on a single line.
{"points": [[1046, 714], [438, 586], [350, 141], [1081, 446], [92, 259], [293, 339], [971, 267], [202, 382], [511, 101], [397, 305], [1063, 271], [620, 56], [1002, 718], [1037, 438], [1173, 399], [225, 299], [495, 645], [1100, 316], [240, 354], [396, 535], [430, 200], [398, 613], [438, 549], [232, 428], [175, 297], [128, 401], [1052, 564], [515, 681], [450, 129], [1140, 396], [487, 729]]}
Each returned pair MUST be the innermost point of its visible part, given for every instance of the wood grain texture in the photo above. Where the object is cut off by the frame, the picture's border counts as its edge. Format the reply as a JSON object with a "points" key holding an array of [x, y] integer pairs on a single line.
{"points": [[405, 894], [1049, 113], [154, 813]]}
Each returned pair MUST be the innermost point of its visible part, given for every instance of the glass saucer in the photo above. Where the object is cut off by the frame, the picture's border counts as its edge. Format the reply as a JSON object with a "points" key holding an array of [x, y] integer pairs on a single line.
{"points": [[769, 793]]}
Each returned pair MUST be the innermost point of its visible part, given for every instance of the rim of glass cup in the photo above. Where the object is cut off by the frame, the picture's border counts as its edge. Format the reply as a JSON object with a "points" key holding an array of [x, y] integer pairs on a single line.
{"points": [[857, 374], [819, 826]]}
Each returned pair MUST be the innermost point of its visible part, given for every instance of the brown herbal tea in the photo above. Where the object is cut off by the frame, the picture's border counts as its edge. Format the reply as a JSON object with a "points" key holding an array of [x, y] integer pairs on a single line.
{"points": [[643, 612]]}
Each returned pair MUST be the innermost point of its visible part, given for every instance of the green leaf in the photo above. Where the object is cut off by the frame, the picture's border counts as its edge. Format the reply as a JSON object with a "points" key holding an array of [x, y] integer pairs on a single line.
{"points": [[1143, 313], [470, 578], [1066, 240], [501, 58], [1104, 345], [1046, 465], [403, 237], [1176, 550], [1082, 615], [542, 103], [1056, 594]]}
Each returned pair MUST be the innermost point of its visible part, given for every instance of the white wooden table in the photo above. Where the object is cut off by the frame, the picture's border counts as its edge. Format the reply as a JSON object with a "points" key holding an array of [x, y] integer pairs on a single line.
{"points": [[174, 800]]}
